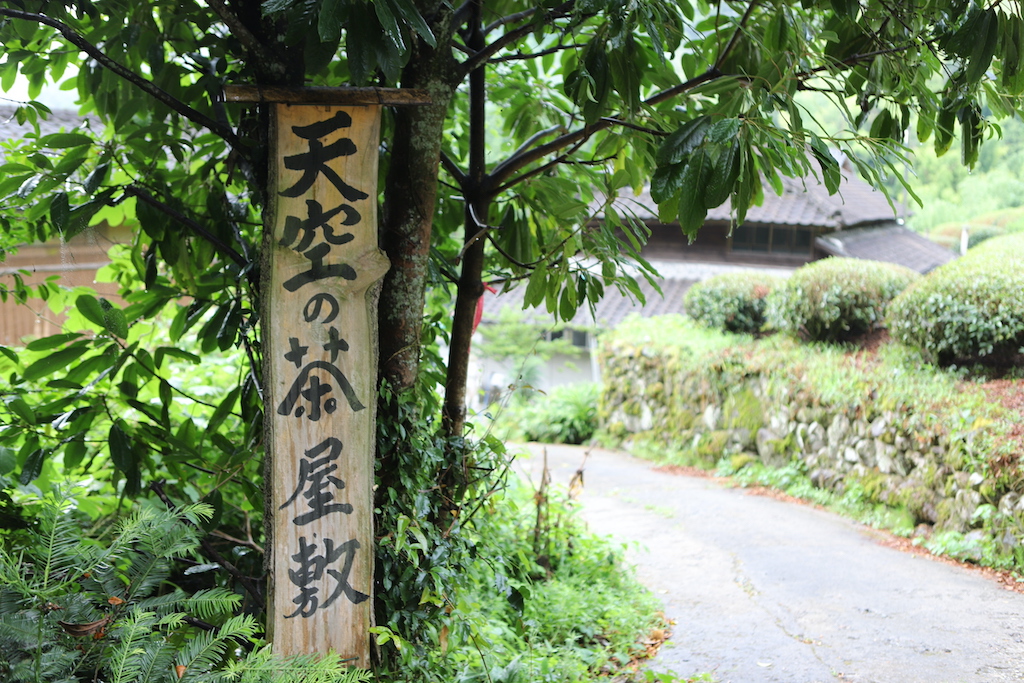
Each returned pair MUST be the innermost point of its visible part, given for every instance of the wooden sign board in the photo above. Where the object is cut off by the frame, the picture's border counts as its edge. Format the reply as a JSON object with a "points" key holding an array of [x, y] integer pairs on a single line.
{"points": [[321, 281]]}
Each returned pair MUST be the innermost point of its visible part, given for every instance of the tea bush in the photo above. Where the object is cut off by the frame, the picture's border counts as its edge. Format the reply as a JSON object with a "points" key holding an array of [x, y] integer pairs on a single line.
{"points": [[836, 299], [971, 308], [733, 302]]}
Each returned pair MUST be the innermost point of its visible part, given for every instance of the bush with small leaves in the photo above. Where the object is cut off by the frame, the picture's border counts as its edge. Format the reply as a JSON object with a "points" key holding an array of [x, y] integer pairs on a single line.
{"points": [[970, 309], [733, 302], [836, 299]]}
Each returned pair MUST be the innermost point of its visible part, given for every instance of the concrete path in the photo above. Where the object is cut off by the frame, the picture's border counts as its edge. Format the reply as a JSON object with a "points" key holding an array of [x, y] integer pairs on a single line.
{"points": [[766, 591]]}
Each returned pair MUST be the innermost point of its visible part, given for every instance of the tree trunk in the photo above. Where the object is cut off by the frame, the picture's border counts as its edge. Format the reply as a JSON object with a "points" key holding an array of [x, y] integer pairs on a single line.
{"points": [[476, 192], [407, 217]]}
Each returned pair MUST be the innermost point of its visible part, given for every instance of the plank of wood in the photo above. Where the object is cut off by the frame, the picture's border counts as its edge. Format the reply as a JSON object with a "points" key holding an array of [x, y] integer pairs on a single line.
{"points": [[322, 276], [393, 97]]}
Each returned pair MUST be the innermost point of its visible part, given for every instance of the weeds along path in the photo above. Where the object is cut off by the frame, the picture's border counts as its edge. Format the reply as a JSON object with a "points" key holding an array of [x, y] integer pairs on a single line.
{"points": [[761, 590]]}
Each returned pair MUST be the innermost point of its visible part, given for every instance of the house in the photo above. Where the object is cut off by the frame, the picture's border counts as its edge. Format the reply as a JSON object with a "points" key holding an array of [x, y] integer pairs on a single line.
{"points": [[803, 224], [74, 263]]}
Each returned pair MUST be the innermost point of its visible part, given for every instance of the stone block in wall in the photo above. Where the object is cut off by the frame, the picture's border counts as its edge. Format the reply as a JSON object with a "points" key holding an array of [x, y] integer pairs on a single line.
{"points": [[838, 430], [816, 437], [885, 457], [711, 417], [1008, 503], [865, 449]]}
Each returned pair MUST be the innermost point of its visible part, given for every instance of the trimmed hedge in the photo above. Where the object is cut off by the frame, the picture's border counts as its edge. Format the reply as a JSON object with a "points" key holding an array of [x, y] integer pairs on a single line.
{"points": [[836, 299], [733, 302], [969, 309]]}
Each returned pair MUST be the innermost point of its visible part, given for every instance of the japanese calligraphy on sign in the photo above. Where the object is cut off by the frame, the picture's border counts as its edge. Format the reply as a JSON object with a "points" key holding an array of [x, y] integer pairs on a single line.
{"points": [[324, 271]]}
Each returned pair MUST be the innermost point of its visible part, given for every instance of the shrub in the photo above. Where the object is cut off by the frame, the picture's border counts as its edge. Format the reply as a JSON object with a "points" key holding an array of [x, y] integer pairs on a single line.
{"points": [[836, 299], [566, 414], [733, 302], [971, 308]]}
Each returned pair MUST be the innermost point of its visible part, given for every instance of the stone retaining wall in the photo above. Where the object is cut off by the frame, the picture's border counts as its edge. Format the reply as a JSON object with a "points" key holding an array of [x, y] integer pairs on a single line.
{"points": [[722, 409]]}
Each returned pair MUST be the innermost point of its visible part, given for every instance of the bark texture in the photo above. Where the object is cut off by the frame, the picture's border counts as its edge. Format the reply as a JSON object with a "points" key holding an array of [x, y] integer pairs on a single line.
{"points": [[407, 217]]}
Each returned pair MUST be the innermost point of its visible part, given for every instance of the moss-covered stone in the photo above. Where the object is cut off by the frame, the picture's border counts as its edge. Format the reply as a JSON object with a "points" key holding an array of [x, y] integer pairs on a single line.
{"points": [[740, 460], [712, 445], [742, 410]]}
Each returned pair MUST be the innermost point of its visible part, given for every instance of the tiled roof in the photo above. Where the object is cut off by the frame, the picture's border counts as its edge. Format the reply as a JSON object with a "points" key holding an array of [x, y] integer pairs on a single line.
{"points": [[804, 201], [893, 244], [58, 120], [610, 310]]}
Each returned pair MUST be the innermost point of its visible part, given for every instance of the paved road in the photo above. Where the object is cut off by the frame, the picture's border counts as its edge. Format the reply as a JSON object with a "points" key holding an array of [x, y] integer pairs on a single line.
{"points": [[768, 591]]}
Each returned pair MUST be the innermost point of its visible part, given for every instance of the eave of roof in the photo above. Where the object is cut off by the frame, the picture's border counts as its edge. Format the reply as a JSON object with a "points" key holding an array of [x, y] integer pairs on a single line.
{"points": [[892, 244], [804, 202]]}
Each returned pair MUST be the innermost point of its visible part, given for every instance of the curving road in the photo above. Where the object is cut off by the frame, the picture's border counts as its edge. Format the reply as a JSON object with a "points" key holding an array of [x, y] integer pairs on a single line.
{"points": [[766, 591]]}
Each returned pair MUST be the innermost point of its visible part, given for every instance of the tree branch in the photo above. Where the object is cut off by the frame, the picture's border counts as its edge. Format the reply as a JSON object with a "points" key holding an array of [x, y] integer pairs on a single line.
{"points": [[520, 56], [853, 60], [241, 31], [118, 69], [735, 35], [510, 19], [195, 227], [453, 169], [485, 53], [506, 169]]}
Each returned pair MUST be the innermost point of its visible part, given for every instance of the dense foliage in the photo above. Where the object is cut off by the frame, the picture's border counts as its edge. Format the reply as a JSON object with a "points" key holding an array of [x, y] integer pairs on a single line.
{"points": [[536, 110], [836, 299], [76, 608], [733, 302], [969, 309], [565, 414]]}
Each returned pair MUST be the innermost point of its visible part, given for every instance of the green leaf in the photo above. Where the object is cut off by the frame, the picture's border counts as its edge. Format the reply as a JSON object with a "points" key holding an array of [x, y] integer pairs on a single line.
{"points": [[681, 143], [8, 460], [52, 363], [33, 466], [390, 25], [830, 171], [19, 407], [536, 287], [60, 210], [51, 342], [723, 176], [329, 21], [666, 182], [223, 410], [65, 140], [89, 307], [407, 10], [74, 452], [121, 452], [983, 45], [103, 313], [691, 200]]}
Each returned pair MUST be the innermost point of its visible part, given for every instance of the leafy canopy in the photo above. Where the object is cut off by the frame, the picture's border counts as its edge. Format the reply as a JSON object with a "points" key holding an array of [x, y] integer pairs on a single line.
{"points": [[542, 113]]}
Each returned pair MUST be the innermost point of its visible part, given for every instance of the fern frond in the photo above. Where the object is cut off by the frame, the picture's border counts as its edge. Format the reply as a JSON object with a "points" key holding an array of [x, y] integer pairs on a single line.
{"points": [[134, 634], [145, 574], [19, 630], [157, 663], [164, 604], [57, 545], [207, 649], [262, 666], [212, 603]]}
